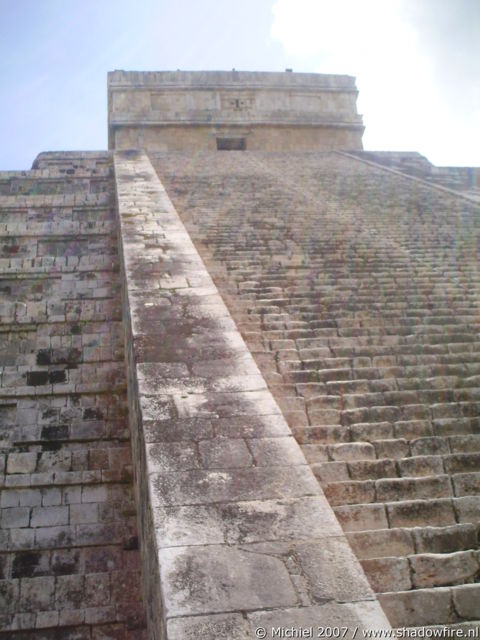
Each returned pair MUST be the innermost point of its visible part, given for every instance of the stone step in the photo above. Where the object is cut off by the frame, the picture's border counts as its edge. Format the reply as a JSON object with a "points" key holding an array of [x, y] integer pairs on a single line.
{"points": [[402, 542], [403, 489], [421, 571], [360, 463], [461, 629], [390, 489], [425, 607], [438, 512]]}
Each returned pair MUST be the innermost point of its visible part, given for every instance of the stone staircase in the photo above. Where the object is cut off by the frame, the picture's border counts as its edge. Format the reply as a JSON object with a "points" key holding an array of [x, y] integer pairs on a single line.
{"points": [[465, 180], [69, 561], [357, 291]]}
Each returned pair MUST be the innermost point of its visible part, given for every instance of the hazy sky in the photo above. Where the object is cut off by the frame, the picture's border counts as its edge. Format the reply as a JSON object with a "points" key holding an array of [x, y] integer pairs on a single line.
{"points": [[417, 63]]}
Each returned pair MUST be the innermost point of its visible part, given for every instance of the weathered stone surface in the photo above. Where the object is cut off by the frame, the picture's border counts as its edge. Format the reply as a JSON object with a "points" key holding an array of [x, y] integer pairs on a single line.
{"points": [[430, 570], [371, 358], [347, 617], [414, 513], [219, 578], [275, 111], [224, 454], [244, 522], [361, 517], [214, 627], [332, 572], [465, 600], [66, 499], [217, 463], [388, 574], [444, 539], [382, 543], [204, 487], [421, 607]]}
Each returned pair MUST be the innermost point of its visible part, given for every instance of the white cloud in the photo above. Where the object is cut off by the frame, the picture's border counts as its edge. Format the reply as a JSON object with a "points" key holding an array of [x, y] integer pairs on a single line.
{"points": [[379, 43]]}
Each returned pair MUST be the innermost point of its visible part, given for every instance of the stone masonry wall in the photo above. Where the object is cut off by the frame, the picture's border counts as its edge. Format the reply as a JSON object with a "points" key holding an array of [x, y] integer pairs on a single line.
{"points": [[174, 138], [173, 110], [357, 291], [69, 560]]}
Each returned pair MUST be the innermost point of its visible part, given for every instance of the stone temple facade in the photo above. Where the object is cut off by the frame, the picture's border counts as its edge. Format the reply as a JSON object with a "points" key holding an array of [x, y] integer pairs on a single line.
{"points": [[240, 374]]}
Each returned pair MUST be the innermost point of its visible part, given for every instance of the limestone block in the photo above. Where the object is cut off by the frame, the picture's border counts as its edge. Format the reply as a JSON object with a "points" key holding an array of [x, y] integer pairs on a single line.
{"points": [[46, 619], [381, 543], [231, 626], [468, 508], [83, 513], [21, 498], [466, 483], [315, 453], [21, 462], [465, 599], [406, 488], [100, 615], [353, 451], [15, 517], [371, 431], [69, 592], [172, 456], [350, 492], [70, 618], [413, 429], [50, 537], [330, 471], [36, 593], [414, 513], [418, 608], [9, 593], [388, 574], [275, 451], [347, 617], [220, 578], [188, 525], [332, 571], [444, 539], [430, 570], [361, 517], [421, 466], [225, 454], [205, 487], [372, 469], [49, 516], [392, 448], [429, 446]]}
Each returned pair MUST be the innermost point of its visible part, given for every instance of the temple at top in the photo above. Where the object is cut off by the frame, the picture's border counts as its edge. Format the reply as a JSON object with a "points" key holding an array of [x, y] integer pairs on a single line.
{"points": [[177, 110]]}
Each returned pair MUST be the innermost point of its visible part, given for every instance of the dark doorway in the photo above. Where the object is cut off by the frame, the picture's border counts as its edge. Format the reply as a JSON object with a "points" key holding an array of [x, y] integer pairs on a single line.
{"points": [[231, 144]]}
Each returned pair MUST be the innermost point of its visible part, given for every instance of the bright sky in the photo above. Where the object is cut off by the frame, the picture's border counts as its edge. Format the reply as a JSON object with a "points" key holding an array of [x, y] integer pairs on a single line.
{"points": [[417, 63]]}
